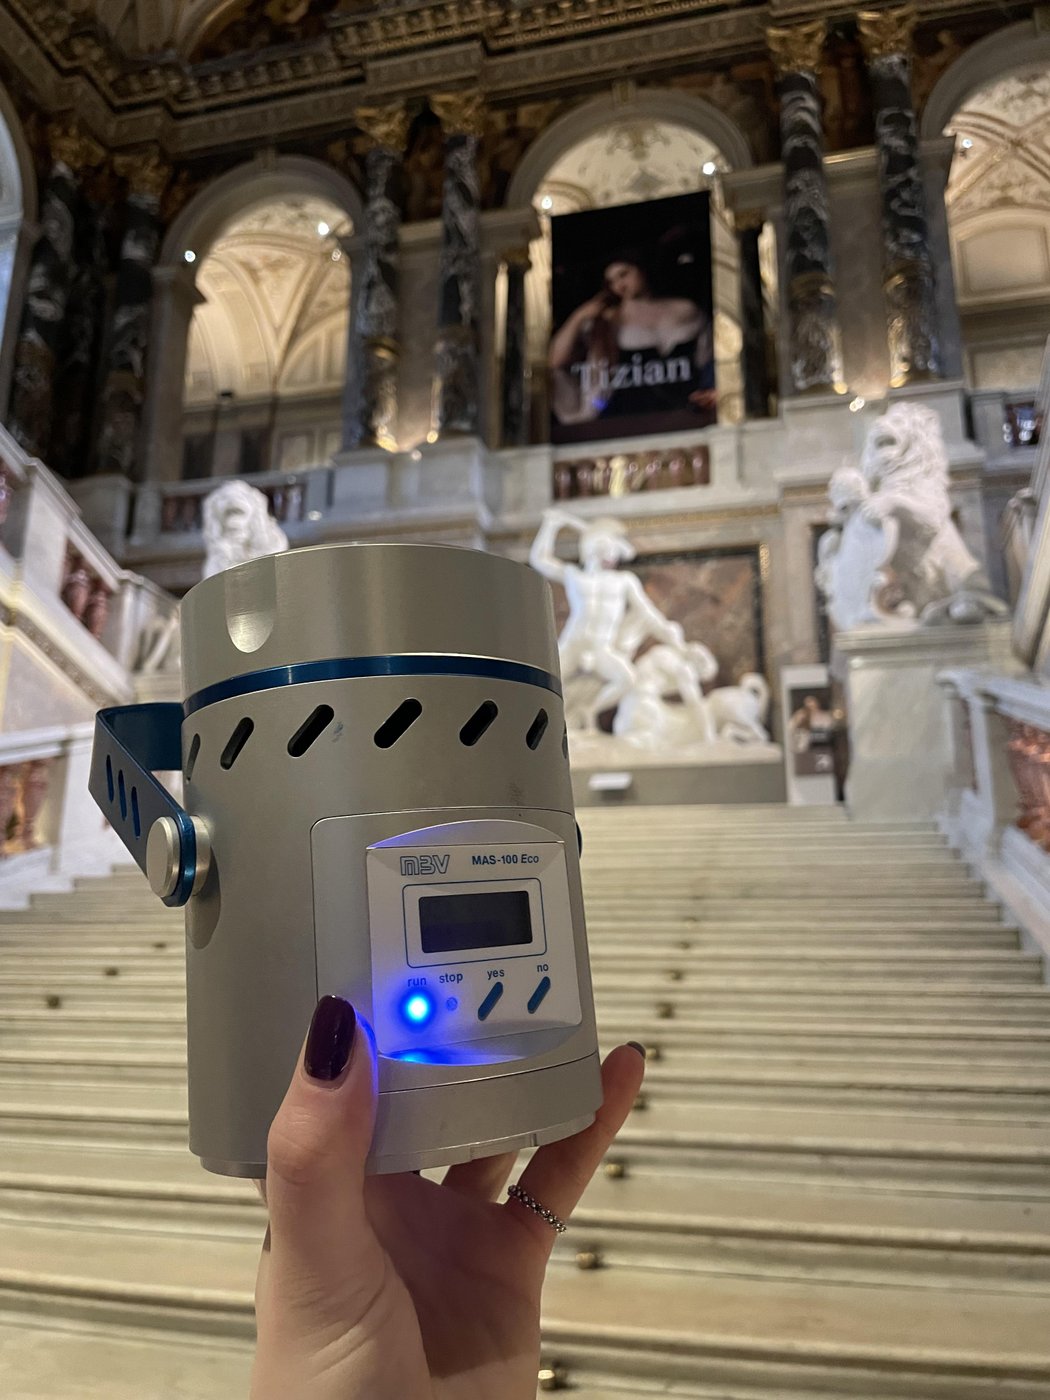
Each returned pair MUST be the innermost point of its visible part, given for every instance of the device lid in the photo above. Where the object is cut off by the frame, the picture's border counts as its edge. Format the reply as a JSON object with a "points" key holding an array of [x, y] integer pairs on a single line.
{"points": [[366, 601]]}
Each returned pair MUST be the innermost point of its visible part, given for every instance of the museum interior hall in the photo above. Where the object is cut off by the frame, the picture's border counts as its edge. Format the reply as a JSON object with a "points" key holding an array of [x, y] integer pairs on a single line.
{"points": [[445, 437]]}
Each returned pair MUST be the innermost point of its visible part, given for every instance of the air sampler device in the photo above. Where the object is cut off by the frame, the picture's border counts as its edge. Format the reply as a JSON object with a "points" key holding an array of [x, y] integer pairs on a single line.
{"points": [[377, 805]]}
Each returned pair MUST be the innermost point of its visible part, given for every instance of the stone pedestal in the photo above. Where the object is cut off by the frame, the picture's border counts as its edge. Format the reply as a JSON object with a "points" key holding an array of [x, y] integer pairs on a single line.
{"points": [[899, 721], [105, 504]]}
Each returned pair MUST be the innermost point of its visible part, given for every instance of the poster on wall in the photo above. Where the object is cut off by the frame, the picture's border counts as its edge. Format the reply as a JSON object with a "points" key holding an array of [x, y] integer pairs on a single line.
{"points": [[632, 349], [811, 730]]}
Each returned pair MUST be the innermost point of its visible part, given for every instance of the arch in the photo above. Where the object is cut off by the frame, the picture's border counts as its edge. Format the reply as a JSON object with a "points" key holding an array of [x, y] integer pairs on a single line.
{"points": [[1017, 46], [654, 104], [256, 182], [18, 213]]}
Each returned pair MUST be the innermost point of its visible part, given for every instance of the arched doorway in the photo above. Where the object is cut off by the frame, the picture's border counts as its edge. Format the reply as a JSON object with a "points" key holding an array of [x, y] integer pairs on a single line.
{"points": [[608, 152], [995, 102], [248, 342]]}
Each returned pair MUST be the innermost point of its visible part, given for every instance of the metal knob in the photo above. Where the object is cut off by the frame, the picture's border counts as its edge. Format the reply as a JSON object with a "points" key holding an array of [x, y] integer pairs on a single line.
{"points": [[164, 856]]}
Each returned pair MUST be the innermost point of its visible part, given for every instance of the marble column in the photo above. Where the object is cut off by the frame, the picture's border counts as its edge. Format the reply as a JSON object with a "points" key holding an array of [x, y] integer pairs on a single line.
{"points": [[175, 297], [76, 374], [374, 353], [455, 404], [50, 280], [815, 347], [515, 389], [754, 353], [124, 382], [908, 276]]}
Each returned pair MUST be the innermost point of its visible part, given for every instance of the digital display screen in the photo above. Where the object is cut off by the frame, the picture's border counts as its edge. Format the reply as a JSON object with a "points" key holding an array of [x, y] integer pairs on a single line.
{"points": [[454, 923]]}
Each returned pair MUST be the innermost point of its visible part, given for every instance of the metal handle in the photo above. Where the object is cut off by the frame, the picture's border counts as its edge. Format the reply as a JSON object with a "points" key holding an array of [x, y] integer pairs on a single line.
{"points": [[168, 845]]}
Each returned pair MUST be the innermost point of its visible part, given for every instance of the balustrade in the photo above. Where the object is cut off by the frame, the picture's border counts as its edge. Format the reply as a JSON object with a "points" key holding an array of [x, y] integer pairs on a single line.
{"points": [[625, 473], [23, 794], [182, 504]]}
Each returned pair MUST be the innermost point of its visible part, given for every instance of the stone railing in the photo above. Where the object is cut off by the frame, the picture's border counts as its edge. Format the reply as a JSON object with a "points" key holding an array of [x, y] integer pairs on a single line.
{"points": [[50, 827], [998, 805], [624, 473], [65, 596], [175, 508]]}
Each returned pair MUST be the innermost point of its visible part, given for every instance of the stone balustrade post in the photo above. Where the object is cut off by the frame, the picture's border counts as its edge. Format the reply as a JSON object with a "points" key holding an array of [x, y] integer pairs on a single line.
{"points": [[455, 404], [515, 387], [50, 280], [813, 330], [124, 383], [908, 276], [374, 351]]}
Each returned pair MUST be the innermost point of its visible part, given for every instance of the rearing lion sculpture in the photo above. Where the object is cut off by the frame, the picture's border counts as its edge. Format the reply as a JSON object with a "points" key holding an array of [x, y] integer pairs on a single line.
{"points": [[893, 552]]}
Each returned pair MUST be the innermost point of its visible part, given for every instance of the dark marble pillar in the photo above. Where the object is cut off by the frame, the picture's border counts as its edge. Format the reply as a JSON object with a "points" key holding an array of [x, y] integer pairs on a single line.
{"points": [[816, 357], [51, 274], [754, 354], [515, 395], [76, 378], [456, 368], [374, 353], [124, 382], [908, 275]]}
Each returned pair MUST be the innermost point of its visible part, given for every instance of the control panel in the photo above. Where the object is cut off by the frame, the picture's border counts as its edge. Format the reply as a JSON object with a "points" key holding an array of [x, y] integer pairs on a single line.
{"points": [[471, 937]]}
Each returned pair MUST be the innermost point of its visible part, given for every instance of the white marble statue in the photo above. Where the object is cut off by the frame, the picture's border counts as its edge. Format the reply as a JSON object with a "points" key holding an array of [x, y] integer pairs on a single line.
{"points": [[610, 615], [238, 527], [666, 706], [893, 553]]}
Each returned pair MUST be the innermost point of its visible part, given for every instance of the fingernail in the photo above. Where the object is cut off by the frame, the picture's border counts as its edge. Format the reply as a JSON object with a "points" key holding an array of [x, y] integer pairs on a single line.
{"points": [[635, 1046], [330, 1040]]}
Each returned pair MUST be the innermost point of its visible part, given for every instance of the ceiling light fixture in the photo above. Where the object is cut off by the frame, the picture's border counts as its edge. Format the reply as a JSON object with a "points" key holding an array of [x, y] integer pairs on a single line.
{"points": [[323, 229], [709, 167], [546, 202], [967, 143], [189, 256]]}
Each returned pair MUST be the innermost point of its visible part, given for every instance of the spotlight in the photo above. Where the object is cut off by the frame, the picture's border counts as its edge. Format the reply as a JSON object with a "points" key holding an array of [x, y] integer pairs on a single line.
{"points": [[857, 404], [323, 229], [546, 202], [189, 256], [709, 167], [967, 143]]}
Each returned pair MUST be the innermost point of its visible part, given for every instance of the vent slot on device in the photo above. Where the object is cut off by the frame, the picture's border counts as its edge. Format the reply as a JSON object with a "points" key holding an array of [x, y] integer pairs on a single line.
{"points": [[403, 718], [236, 742], [537, 729], [479, 721], [135, 819], [191, 757], [310, 730]]}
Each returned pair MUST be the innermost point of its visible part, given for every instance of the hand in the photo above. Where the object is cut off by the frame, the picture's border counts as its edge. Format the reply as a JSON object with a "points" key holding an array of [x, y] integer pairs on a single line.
{"points": [[395, 1287], [595, 307]]}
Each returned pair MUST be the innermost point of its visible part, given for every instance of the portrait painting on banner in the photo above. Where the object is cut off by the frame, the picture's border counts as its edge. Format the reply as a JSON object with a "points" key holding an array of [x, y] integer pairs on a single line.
{"points": [[633, 347]]}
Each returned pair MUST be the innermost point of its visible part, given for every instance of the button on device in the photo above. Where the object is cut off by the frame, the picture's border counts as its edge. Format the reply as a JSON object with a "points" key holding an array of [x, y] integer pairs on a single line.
{"points": [[538, 995], [495, 992]]}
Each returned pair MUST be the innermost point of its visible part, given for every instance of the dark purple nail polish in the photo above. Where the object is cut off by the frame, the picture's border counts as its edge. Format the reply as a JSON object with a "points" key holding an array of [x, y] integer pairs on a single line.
{"points": [[331, 1039], [635, 1046]]}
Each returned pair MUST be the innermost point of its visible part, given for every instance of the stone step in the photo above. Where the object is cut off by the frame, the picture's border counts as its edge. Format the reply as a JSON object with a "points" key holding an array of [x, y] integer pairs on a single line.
{"points": [[654, 1324]]}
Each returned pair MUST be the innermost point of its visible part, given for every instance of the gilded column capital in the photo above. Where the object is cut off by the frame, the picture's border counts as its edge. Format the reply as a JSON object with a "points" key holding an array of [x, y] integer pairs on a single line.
{"points": [[72, 146], [797, 49], [145, 169], [460, 113], [386, 126], [886, 32]]}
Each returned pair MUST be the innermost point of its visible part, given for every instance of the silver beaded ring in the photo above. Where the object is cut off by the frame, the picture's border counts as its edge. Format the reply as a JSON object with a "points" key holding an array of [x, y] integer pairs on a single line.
{"points": [[530, 1203]]}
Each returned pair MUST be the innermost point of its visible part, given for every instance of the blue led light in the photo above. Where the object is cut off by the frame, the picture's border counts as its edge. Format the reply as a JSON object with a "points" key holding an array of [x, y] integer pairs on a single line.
{"points": [[417, 1008]]}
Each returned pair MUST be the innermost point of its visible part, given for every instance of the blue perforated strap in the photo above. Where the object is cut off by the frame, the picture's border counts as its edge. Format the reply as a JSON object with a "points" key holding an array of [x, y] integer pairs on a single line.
{"points": [[131, 744]]}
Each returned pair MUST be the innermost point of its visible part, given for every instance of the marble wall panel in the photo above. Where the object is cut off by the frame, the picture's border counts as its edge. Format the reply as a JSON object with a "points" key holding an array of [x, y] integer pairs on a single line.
{"points": [[420, 286], [37, 694]]}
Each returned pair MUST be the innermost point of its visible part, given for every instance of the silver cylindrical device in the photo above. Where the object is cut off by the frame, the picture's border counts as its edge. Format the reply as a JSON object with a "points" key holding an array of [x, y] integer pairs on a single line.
{"points": [[375, 768]]}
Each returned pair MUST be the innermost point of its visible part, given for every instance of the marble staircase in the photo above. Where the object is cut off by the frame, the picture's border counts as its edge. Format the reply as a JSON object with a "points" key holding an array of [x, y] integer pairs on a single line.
{"points": [[836, 1181]]}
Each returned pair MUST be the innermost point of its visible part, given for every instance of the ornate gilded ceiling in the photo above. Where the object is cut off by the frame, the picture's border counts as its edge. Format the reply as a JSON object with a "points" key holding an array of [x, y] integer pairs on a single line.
{"points": [[1002, 147]]}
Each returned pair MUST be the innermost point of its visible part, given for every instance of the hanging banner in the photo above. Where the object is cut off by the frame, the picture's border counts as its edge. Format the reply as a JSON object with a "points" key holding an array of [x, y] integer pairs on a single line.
{"points": [[632, 350]]}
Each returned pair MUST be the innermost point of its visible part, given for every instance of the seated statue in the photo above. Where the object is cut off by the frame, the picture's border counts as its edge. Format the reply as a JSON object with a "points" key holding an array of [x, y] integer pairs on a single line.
{"points": [[648, 715], [893, 553], [738, 711], [238, 526]]}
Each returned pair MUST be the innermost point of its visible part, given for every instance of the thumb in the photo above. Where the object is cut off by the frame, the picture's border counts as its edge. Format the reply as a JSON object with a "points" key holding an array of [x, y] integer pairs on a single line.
{"points": [[323, 1255]]}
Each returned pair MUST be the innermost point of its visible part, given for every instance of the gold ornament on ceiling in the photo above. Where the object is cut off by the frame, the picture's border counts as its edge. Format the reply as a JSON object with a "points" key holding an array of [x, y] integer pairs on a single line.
{"points": [[460, 113], [146, 171], [385, 126], [798, 49], [72, 146], [886, 32]]}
